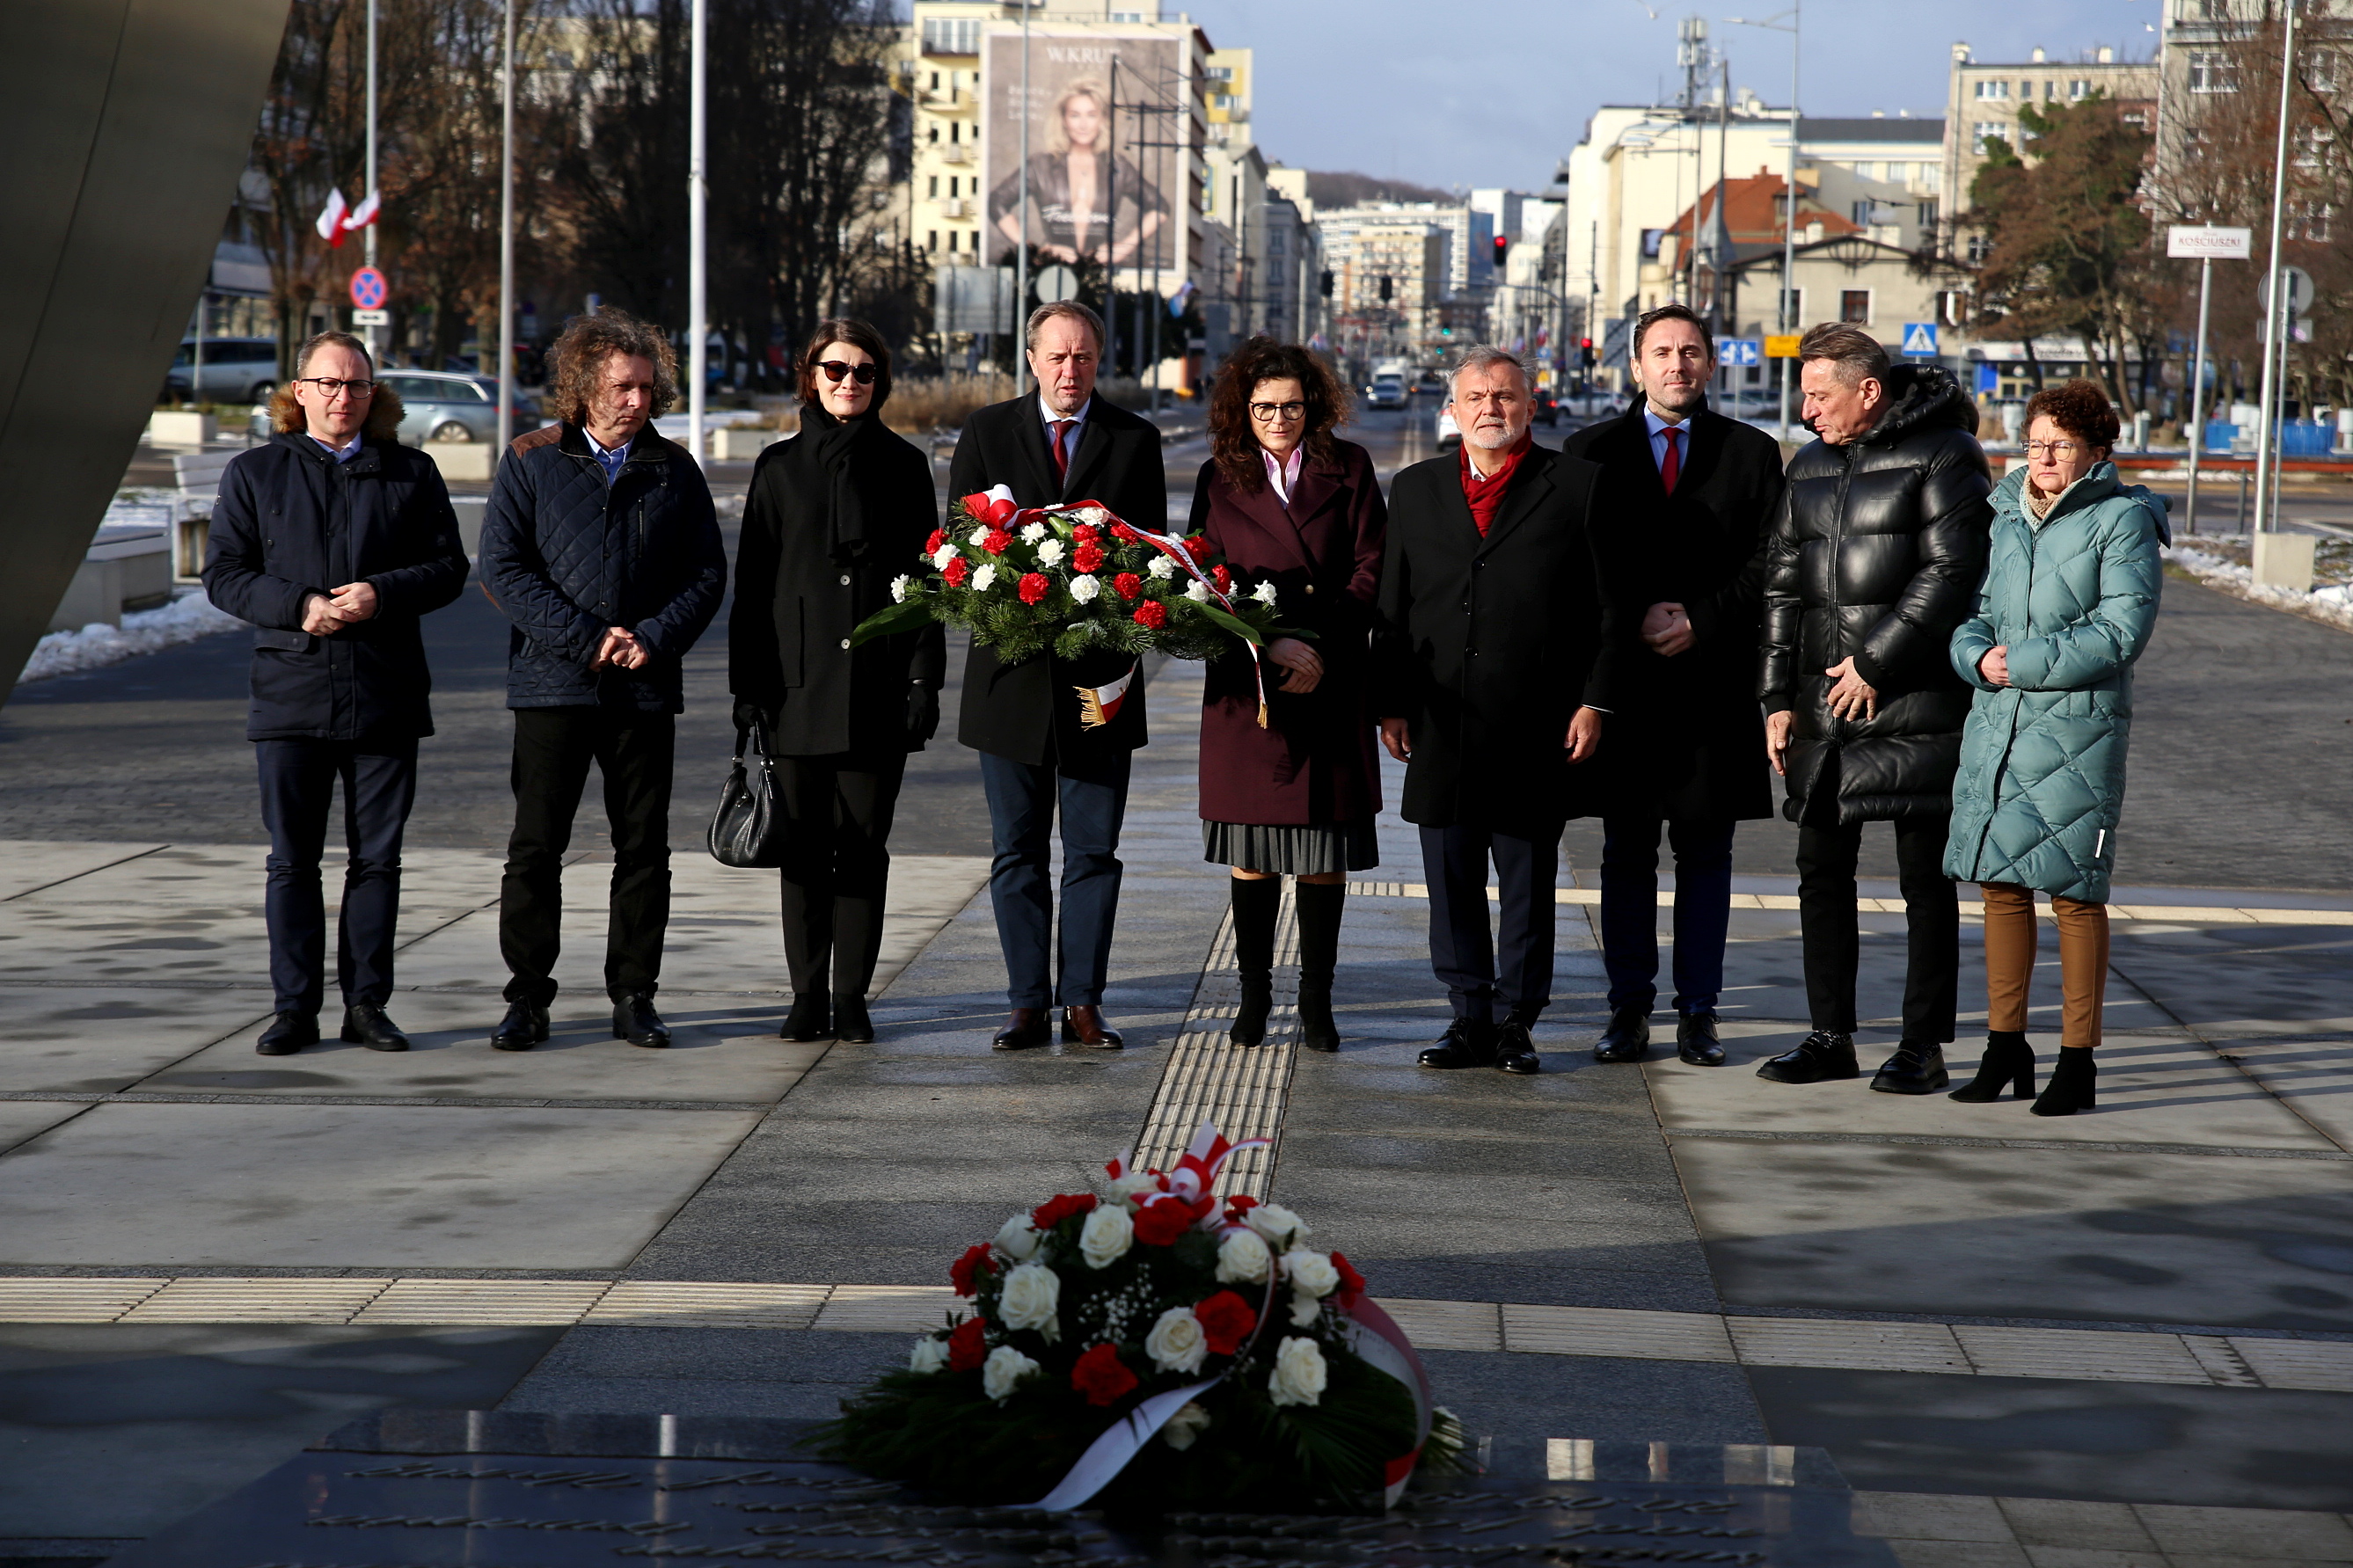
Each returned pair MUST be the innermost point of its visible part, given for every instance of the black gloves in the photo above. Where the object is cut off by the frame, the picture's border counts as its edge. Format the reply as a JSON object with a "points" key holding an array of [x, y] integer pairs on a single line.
{"points": [[922, 712], [749, 714]]}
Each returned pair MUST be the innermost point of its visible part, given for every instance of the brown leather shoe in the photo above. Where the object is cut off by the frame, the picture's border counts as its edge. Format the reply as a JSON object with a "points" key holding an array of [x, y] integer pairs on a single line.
{"points": [[1084, 1027], [1026, 1027]]}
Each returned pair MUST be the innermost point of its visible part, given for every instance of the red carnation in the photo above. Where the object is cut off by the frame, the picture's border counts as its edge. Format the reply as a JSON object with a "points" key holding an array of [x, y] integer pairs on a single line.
{"points": [[1123, 533], [1101, 1375], [1198, 546], [1226, 1322], [1034, 587], [1127, 585], [964, 1272], [1160, 1224], [968, 1345], [1152, 613], [997, 541], [1054, 1211], [1087, 557], [1351, 1288], [1086, 533], [957, 571], [939, 537], [1223, 579]]}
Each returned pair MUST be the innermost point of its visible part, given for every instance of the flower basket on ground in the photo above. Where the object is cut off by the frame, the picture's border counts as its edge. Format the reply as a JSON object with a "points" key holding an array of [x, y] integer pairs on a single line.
{"points": [[1154, 1348]]}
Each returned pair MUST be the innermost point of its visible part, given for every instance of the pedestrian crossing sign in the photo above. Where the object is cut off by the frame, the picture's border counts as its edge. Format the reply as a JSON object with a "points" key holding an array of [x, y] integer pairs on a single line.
{"points": [[1920, 340]]}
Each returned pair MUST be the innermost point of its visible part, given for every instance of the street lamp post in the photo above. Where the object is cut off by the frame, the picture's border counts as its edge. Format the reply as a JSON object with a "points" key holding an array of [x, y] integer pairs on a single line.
{"points": [[370, 236], [698, 198], [2274, 315], [506, 237], [1788, 191]]}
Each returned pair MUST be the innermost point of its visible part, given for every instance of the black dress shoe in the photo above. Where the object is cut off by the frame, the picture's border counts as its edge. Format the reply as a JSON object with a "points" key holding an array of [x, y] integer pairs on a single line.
{"points": [[365, 1024], [1026, 1028], [851, 1025], [524, 1026], [811, 1017], [1628, 1038], [1085, 1027], [635, 1020], [1468, 1043], [287, 1032], [1916, 1068], [1695, 1040], [1817, 1058], [1514, 1051]]}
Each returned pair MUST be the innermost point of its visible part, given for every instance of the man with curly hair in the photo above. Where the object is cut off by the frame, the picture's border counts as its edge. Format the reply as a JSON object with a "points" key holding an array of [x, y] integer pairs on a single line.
{"points": [[601, 546]]}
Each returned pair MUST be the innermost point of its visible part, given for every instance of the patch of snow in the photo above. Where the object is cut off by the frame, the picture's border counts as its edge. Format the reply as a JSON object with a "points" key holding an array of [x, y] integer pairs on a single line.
{"points": [[2334, 606], [189, 617]]}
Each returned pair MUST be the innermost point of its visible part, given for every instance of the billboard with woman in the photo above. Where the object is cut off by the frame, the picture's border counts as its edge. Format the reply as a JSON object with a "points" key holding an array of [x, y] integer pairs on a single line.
{"points": [[1101, 109]]}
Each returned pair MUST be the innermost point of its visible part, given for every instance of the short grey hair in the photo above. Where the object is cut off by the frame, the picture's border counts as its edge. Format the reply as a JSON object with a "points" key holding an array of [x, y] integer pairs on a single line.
{"points": [[1070, 308], [1859, 356], [1479, 357]]}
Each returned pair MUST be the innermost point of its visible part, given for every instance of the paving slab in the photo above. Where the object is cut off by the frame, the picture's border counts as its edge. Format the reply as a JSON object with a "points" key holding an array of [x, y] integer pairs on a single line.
{"points": [[355, 1186], [2037, 1233], [101, 1039], [26, 864], [24, 1120], [2236, 980]]}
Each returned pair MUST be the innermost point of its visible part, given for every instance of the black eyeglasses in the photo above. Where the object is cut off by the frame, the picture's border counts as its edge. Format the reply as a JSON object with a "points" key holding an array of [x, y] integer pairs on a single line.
{"points": [[329, 386], [1266, 413], [835, 370]]}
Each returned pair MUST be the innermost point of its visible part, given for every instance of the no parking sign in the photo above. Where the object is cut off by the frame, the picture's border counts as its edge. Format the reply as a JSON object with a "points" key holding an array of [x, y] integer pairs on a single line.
{"points": [[368, 289]]}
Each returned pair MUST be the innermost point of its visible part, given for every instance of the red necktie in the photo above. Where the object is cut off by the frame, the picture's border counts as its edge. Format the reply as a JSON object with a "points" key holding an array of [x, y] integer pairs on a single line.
{"points": [[1671, 467], [1063, 428]]}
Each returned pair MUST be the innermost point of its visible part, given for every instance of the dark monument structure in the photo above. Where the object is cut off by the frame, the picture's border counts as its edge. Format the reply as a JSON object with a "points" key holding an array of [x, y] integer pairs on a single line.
{"points": [[127, 124]]}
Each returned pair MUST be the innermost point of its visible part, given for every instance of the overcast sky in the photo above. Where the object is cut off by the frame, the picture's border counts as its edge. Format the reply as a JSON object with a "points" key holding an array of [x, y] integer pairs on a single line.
{"points": [[1492, 92]]}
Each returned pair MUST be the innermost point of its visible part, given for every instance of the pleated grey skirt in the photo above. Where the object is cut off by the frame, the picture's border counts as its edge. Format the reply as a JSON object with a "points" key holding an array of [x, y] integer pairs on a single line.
{"points": [[1318, 849]]}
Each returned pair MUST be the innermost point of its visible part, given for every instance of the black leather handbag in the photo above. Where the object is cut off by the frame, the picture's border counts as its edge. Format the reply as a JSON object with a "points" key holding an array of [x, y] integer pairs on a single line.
{"points": [[748, 828]]}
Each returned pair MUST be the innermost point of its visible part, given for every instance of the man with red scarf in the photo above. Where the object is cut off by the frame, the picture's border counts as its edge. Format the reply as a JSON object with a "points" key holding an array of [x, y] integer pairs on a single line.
{"points": [[1494, 665]]}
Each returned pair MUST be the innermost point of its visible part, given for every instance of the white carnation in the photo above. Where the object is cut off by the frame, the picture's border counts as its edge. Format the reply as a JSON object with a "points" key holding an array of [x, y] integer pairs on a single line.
{"points": [[1180, 1430], [1084, 589], [929, 1355], [979, 540], [1299, 1373], [1051, 551], [1243, 1258], [899, 586], [1197, 591], [1310, 1271], [1033, 533], [1161, 567], [1093, 514], [1177, 1343], [1017, 1239], [1264, 592], [1032, 1293], [1304, 1309], [1275, 1223], [1106, 1236], [942, 556], [1006, 1366], [984, 577]]}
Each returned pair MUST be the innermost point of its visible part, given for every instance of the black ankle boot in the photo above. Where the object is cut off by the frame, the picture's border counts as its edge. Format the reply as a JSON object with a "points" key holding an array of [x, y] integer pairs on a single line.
{"points": [[2008, 1060], [1916, 1068], [1256, 901], [2075, 1081], [1318, 905]]}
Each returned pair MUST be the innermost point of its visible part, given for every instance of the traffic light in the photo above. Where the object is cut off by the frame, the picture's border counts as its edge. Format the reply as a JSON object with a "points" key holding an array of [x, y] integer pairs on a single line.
{"points": [[1501, 244], [1326, 283], [1385, 290], [1585, 352]]}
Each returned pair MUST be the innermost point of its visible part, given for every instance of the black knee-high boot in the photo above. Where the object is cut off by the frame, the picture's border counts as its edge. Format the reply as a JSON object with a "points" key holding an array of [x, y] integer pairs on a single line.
{"points": [[1256, 899], [1319, 905]]}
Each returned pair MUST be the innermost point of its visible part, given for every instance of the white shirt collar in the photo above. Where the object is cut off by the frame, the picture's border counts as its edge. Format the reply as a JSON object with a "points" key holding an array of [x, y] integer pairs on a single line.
{"points": [[1051, 419]]}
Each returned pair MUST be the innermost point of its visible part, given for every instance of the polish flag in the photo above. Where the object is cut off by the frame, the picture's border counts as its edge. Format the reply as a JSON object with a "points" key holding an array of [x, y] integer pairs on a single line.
{"points": [[363, 214], [331, 222]]}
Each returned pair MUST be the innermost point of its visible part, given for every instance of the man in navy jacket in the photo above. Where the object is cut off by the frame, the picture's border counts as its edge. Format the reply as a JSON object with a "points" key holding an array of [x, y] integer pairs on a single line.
{"points": [[601, 546], [334, 539]]}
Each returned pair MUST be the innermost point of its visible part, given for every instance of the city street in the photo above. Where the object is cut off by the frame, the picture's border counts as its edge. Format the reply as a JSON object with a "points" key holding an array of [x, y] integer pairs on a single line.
{"points": [[2133, 1328]]}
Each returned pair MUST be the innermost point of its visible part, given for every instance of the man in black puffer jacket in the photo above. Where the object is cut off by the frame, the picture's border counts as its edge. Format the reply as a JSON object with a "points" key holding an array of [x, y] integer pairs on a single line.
{"points": [[1875, 560]]}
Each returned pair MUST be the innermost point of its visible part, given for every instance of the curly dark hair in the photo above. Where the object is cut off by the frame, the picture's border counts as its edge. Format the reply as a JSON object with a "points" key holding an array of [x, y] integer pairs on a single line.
{"points": [[857, 334], [1233, 440], [2081, 408], [579, 355]]}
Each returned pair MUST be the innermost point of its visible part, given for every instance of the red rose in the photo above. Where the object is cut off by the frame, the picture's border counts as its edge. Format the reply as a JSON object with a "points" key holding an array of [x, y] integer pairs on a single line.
{"points": [[957, 571], [1127, 585], [1152, 613], [1198, 546], [1226, 1322], [939, 537], [1160, 1224], [1087, 557], [997, 541], [1101, 1375], [1054, 1211], [968, 1345], [965, 1271], [1034, 587], [1223, 579], [1351, 1288]]}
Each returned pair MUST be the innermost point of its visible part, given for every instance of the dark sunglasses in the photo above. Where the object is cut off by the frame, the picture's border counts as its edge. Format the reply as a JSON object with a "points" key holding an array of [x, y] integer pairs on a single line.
{"points": [[835, 370]]}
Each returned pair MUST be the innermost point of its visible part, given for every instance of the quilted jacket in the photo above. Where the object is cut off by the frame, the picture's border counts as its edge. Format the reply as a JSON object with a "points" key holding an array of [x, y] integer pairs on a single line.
{"points": [[1879, 544], [2073, 597], [566, 557]]}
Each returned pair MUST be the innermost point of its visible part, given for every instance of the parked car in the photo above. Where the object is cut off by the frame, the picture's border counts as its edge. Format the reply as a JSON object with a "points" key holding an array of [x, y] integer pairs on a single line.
{"points": [[235, 370], [1450, 433], [1544, 406], [438, 406]]}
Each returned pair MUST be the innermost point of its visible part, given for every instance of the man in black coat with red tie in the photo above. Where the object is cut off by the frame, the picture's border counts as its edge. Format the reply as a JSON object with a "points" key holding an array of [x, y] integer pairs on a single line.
{"points": [[1062, 444], [1493, 672], [1688, 500]]}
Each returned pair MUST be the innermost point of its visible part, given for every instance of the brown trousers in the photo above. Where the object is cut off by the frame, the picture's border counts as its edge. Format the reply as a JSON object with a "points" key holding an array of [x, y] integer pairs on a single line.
{"points": [[2010, 939]]}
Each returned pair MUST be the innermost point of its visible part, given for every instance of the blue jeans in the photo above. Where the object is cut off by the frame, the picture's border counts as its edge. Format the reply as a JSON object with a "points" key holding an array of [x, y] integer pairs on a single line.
{"points": [[1022, 800], [1629, 909], [1514, 965], [297, 790]]}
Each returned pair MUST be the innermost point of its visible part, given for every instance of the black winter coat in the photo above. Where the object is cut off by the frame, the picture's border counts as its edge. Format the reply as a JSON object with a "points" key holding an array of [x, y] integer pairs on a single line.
{"points": [[799, 597], [1877, 553], [1687, 740], [1029, 712], [1487, 647], [290, 522], [566, 557]]}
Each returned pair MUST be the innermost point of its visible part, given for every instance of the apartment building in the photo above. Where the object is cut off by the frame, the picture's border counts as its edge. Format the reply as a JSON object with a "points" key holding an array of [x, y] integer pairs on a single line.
{"points": [[1983, 99]]}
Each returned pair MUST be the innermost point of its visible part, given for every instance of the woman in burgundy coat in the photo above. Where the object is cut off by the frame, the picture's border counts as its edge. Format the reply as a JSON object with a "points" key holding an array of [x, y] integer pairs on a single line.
{"points": [[1285, 503]]}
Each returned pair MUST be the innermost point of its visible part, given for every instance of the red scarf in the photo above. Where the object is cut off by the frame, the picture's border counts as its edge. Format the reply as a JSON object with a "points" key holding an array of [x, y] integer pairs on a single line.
{"points": [[1486, 496]]}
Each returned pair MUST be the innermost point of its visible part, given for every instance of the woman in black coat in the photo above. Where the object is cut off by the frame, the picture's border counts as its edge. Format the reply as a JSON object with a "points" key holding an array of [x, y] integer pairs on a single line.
{"points": [[834, 516]]}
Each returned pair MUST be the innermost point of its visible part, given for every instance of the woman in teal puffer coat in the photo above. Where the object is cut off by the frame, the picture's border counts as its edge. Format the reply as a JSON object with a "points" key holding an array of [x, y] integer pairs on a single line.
{"points": [[2069, 600]]}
